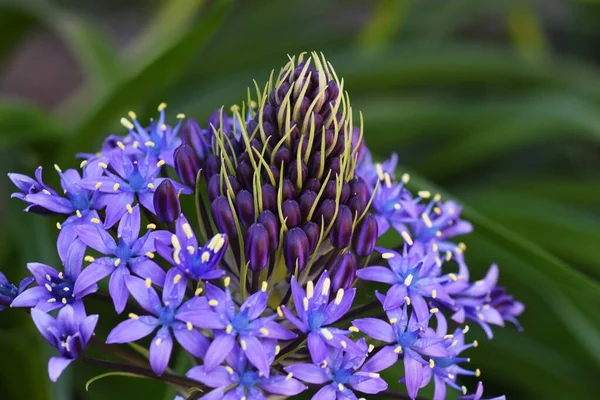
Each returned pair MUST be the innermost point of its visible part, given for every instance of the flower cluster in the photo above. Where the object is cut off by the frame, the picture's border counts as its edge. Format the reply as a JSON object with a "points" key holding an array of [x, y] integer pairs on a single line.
{"points": [[262, 291]]}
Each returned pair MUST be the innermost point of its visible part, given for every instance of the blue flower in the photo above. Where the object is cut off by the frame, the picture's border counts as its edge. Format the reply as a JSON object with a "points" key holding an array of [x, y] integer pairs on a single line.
{"points": [[129, 253], [244, 326], [167, 315], [241, 380], [195, 263], [9, 291], [316, 314], [413, 276], [69, 333], [341, 373], [56, 289]]}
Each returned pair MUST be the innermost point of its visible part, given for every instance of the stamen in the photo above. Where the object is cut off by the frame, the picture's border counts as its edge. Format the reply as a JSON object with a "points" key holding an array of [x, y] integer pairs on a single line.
{"points": [[407, 238], [339, 297], [310, 289], [126, 123], [151, 226], [213, 303], [187, 229], [326, 333], [264, 286], [387, 256], [408, 280], [129, 208], [148, 282], [326, 286], [133, 316]]}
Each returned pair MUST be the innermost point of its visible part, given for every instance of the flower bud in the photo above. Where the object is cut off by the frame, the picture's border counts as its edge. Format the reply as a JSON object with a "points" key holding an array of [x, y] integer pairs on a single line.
{"points": [[313, 184], [166, 202], [289, 189], [345, 195], [365, 236], [223, 216], [244, 202], [341, 232], [294, 172], [313, 231], [359, 188], [343, 272], [291, 212], [330, 190], [282, 155], [214, 187], [245, 173], [334, 166], [271, 224], [356, 205], [257, 247], [235, 185], [325, 212], [295, 249], [314, 163], [211, 166], [307, 200], [187, 164], [193, 135], [269, 197]]}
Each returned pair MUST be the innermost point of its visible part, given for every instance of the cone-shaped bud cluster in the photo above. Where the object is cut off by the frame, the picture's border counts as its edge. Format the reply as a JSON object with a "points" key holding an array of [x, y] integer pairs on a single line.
{"points": [[166, 202], [287, 173]]}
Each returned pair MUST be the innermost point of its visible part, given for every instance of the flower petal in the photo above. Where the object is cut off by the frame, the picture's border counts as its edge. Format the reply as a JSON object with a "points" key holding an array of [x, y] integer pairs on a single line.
{"points": [[93, 273], [96, 238], [132, 329], [117, 289], [218, 377], [144, 295], [317, 347], [256, 354], [310, 373], [377, 274], [282, 385], [376, 329], [31, 297], [337, 310], [146, 268], [383, 359], [218, 350], [160, 351], [395, 297], [193, 341], [413, 371], [326, 393], [56, 366], [44, 323], [205, 319], [255, 304]]}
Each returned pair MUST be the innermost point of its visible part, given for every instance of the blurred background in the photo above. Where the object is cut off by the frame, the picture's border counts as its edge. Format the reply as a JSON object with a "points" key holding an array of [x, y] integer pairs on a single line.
{"points": [[494, 103]]}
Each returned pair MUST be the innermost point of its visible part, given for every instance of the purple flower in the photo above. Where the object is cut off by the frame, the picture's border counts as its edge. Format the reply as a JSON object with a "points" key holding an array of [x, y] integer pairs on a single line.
{"points": [[374, 172], [167, 315], [194, 262], [244, 326], [407, 337], [132, 177], [56, 289], [69, 333], [341, 373], [9, 291], [129, 253], [389, 204], [478, 395], [413, 277], [241, 380], [158, 139], [315, 314]]}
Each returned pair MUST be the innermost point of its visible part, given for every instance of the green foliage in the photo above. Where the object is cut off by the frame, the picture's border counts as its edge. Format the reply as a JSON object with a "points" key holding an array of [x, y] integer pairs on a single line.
{"points": [[499, 117]]}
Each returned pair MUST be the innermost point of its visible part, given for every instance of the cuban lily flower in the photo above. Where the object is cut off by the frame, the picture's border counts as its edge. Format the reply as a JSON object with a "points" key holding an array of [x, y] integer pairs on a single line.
{"points": [[413, 277], [241, 380], [315, 314], [69, 333], [373, 172], [195, 263], [56, 289], [133, 177], [166, 315], [129, 252], [9, 291], [244, 326], [407, 337], [341, 373]]}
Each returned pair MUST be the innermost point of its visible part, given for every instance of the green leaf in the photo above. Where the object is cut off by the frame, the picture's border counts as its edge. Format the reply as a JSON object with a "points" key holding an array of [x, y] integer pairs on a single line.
{"points": [[108, 374], [22, 123]]}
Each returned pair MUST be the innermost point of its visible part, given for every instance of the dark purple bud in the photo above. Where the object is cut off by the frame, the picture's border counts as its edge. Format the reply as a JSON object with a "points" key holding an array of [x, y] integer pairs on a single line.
{"points": [[275, 171], [244, 173], [212, 166], [257, 145], [333, 165], [257, 247], [289, 189], [313, 231], [330, 190], [345, 195], [306, 202], [244, 202], [282, 155], [193, 135], [293, 174], [295, 249], [269, 197], [282, 91], [313, 184], [365, 236], [223, 216], [304, 104], [270, 131], [341, 232], [318, 122], [235, 185], [214, 187], [302, 143], [314, 163], [295, 132], [291, 212], [325, 212], [269, 114], [333, 90], [356, 205], [343, 272], [251, 127], [271, 224], [187, 164], [166, 202], [358, 187]]}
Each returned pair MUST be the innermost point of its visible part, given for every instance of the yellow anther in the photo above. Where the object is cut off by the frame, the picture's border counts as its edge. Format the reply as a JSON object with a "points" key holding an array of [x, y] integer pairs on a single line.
{"points": [[371, 348], [408, 280], [133, 316], [187, 229], [230, 370], [407, 300], [58, 226], [126, 123], [405, 178], [475, 343], [326, 333], [46, 191], [387, 256], [213, 303], [151, 226], [121, 145], [177, 278], [426, 220], [379, 170], [466, 329], [158, 341], [343, 344], [180, 116], [149, 143], [438, 234], [406, 238], [135, 144], [264, 286], [277, 349], [374, 375], [431, 363], [60, 275], [205, 256], [117, 262], [437, 197], [83, 163], [305, 303], [339, 296], [452, 276], [95, 220], [175, 242], [57, 168], [310, 289], [289, 376], [243, 343], [434, 293], [388, 180], [434, 247], [464, 389], [425, 194], [116, 187], [477, 372], [64, 301], [89, 259], [481, 316], [148, 282], [129, 208], [340, 387], [160, 163], [189, 326], [198, 291], [398, 349], [354, 329], [448, 336], [102, 165], [434, 310], [176, 257], [437, 210], [78, 213], [150, 254], [448, 256], [264, 331], [150, 186], [326, 286], [279, 312], [162, 106]]}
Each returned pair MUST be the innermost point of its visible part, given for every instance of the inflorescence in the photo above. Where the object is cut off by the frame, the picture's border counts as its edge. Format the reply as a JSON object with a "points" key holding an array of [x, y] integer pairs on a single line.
{"points": [[260, 287]]}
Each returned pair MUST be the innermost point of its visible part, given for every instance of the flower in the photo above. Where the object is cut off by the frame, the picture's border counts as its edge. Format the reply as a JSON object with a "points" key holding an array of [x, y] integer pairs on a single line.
{"points": [[8, 291], [69, 333], [316, 314], [166, 315], [129, 252], [241, 380], [56, 289], [374, 172], [196, 263], [413, 277], [341, 373], [132, 177], [406, 336], [244, 326]]}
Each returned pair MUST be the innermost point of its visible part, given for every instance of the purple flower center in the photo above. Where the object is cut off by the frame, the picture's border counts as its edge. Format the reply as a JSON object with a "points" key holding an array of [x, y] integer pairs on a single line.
{"points": [[249, 378], [166, 316], [341, 376], [136, 181], [315, 320], [123, 250], [61, 289], [240, 322], [9, 290], [407, 339], [80, 201]]}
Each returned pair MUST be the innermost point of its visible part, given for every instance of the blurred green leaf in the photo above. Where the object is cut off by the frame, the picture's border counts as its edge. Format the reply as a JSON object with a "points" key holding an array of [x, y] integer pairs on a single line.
{"points": [[21, 122]]}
